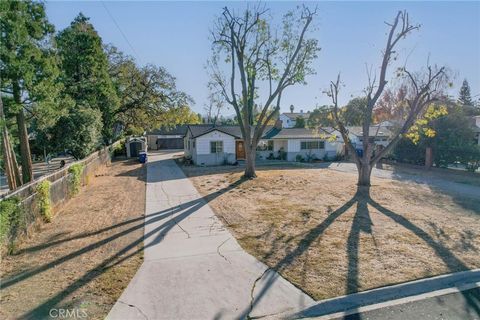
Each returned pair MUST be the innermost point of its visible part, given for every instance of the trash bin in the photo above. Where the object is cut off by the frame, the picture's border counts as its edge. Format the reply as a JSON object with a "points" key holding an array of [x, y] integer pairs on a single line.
{"points": [[142, 157]]}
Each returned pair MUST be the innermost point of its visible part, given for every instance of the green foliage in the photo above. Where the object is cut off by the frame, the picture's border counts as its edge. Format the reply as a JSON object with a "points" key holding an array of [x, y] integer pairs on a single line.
{"points": [[43, 197], [408, 152], [148, 95], [354, 112], [75, 171], [300, 122], [351, 115], [299, 158], [119, 149], [449, 135], [85, 71], [454, 140], [465, 100], [320, 117], [78, 132], [28, 62], [423, 127], [10, 217]]}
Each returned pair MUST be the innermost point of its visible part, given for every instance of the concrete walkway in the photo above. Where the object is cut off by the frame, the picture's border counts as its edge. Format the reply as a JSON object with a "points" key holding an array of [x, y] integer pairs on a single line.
{"points": [[194, 268]]}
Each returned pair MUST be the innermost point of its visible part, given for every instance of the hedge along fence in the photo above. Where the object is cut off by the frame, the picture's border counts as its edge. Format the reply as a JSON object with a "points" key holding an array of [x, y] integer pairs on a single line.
{"points": [[21, 208]]}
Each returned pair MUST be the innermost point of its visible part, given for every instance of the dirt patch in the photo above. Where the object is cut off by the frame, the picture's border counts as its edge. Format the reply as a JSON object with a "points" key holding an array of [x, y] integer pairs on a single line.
{"points": [[86, 256], [329, 238]]}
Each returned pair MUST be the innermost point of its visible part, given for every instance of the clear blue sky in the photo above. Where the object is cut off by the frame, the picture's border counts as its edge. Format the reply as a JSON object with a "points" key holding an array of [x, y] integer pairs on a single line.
{"points": [[176, 35]]}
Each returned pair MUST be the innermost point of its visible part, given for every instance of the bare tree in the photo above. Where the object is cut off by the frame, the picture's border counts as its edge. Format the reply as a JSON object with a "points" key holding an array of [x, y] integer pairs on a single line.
{"points": [[214, 106], [255, 57], [424, 88]]}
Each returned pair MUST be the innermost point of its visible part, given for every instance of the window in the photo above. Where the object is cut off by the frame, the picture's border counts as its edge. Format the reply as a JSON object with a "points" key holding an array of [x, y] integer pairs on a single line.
{"points": [[308, 145], [194, 144], [265, 145], [216, 146]]}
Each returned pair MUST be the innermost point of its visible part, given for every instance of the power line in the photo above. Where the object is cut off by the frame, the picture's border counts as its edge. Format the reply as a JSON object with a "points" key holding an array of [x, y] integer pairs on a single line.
{"points": [[123, 34]]}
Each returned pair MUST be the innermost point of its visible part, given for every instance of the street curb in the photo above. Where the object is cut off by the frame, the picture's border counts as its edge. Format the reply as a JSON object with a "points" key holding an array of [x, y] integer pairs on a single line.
{"points": [[390, 295]]}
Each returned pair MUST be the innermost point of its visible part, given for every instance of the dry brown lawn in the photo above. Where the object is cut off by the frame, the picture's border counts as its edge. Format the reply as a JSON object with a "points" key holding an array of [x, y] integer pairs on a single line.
{"points": [[322, 235], [86, 256]]}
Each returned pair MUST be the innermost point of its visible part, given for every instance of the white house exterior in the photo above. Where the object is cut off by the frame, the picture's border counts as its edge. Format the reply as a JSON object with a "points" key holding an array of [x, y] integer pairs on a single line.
{"points": [[212, 148], [289, 119], [381, 136], [211, 145]]}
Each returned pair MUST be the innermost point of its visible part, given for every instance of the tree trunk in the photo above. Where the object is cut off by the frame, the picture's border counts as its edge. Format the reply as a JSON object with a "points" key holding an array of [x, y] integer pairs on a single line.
{"points": [[26, 158], [250, 155], [16, 171], [364, 173], [7, 152], [428, 158]]}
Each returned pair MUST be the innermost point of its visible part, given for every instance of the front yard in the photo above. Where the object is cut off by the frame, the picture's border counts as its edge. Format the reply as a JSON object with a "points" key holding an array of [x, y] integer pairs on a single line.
{"points": [[83, 260], [313, 227]]}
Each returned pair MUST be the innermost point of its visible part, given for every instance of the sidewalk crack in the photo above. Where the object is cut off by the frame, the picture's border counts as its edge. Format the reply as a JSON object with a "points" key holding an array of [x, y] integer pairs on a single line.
{"points": [[218, 250], [134, 306], [252, 297]]}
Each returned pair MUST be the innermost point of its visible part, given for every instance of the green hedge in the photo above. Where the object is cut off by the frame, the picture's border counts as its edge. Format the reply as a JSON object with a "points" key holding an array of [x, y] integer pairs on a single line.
{"points": [[10, 216], [43, 196], [76, 171]]}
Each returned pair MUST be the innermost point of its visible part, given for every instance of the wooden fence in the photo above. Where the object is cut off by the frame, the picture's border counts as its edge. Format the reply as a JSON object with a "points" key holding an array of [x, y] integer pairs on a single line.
{"points": [[60, 191]]}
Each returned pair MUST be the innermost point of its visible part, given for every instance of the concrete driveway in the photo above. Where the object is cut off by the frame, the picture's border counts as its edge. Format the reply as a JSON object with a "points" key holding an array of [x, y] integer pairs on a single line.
{"points": [[194, 268]]}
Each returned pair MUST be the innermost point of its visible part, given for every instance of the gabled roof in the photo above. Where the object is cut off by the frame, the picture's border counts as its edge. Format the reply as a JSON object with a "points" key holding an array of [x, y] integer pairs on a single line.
{"points": [[300, 133], [373, 131], [295, 115], [198, 130], [177, 130], [283, 133]]}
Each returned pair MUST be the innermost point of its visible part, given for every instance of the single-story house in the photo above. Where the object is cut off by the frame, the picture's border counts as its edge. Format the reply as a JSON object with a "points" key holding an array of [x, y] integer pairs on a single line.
{"points": [[135, 145], [380, 134], [208, 144], [166, 138]]}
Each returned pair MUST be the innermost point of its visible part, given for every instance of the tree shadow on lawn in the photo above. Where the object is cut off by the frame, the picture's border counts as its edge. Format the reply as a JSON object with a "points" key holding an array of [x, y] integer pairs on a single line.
{"points": [[184, 210], [361, 223]]}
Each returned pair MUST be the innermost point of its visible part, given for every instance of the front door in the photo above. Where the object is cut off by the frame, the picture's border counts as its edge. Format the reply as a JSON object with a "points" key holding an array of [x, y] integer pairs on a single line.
{"points": [[240, 150]]}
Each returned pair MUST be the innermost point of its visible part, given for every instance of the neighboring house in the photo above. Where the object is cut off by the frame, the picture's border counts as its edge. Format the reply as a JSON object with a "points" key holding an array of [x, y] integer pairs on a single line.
{"points": [[166, 138], [381, 135], [289, 119], [214, 145]]}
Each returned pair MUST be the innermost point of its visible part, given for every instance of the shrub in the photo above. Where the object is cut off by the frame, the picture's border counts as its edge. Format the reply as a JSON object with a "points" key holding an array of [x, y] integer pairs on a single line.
{"points": [[311, 157], [119, 149], [299, 158], [75, 171], [45, 205], [10, 216]]}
